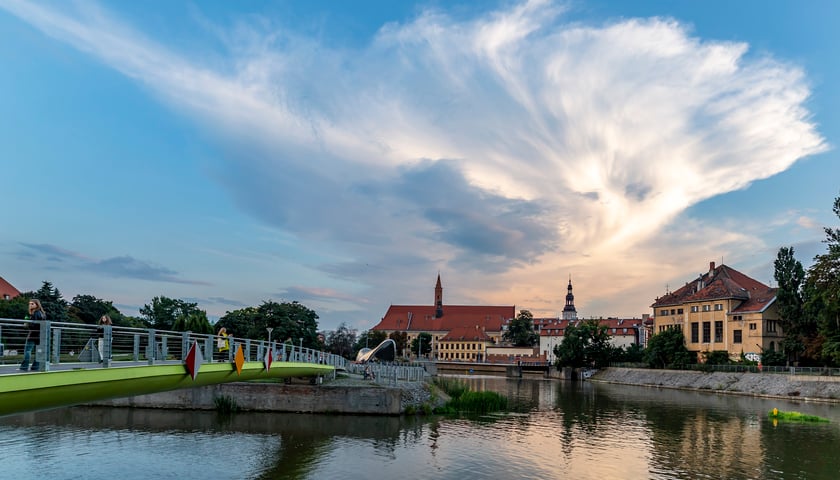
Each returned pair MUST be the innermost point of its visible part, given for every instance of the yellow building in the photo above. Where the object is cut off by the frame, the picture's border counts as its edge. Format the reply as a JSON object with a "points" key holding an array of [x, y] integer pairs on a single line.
{"points": [[722, 310]]}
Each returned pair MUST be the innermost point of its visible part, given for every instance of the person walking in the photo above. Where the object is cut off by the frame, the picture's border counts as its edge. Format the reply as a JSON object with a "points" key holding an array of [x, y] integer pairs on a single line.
{"points": [[223, 344], [33, 338]]}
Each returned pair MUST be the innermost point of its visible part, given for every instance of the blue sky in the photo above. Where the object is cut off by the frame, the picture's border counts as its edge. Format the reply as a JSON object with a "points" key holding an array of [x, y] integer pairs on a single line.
{"points": [[342, 154]]}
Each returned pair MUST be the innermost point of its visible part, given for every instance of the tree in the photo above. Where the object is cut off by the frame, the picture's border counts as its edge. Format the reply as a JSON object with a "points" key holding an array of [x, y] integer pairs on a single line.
{"points": [[289, 321], [798, 331], [400, 341], [54, 305], [370, 339], [667, 348], [520, 331], [195, 322], [341, 341], [585, 344], [425, 340], [89, 309], [823, 293], [16, 308], [164, 312]]}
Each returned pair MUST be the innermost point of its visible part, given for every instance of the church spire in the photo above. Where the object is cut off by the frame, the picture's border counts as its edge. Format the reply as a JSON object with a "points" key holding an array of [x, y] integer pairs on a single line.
{"points": [[438, 298], [569, 312]]}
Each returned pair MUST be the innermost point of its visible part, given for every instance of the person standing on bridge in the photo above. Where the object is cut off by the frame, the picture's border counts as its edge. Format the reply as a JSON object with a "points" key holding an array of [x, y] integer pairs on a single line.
{"points": [[33, 338], [100, 342]]}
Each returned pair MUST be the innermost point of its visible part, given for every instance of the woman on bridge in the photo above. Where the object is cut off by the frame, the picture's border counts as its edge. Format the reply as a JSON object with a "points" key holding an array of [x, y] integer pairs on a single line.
{"points": [[33, 338], [223, 344]]}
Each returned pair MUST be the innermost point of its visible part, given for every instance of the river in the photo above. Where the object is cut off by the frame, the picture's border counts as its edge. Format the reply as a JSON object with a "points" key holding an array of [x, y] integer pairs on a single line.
{"points": [[556, 430]]}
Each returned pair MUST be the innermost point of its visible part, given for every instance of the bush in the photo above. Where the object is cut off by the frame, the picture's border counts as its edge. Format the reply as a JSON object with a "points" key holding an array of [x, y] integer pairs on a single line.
{"points": [[717, 357]]}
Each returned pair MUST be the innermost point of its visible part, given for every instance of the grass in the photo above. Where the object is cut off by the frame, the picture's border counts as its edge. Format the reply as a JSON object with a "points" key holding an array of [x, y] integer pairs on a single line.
{"points": [[464, 400], [225, 404], [794, 416]]}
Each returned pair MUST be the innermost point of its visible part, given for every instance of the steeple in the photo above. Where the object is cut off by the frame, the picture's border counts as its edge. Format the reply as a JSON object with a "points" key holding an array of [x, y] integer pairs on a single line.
{"points": [[438, 298], [569, 312]]}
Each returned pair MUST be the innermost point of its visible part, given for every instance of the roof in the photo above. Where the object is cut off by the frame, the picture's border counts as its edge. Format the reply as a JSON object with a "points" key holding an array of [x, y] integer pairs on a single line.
{"points": [[460, 334], [7, 288], [721, 283], [422, 318], [556, 327]]}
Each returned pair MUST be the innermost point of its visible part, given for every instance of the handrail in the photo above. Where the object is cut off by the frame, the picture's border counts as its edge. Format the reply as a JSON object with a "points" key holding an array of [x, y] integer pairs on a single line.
{"points": [[80, 343]]}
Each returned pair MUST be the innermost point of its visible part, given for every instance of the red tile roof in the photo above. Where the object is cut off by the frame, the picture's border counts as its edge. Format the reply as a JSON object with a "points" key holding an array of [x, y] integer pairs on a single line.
{"points": [[722, 283], [6, 288], [462, 334], [556, 327], [422, 318]]}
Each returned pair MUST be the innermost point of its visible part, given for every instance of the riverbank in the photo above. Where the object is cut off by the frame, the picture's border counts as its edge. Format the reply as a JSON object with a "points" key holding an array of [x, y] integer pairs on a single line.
{"points": [[347, 394], [770, 385]]}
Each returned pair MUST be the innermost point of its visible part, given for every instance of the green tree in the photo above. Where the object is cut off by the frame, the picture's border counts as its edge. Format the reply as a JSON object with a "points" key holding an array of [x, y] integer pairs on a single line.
{"points": [[291, 321], [163, 312], [585, 344], [667, 348], [55, 306], [195, 321], [15, 308], [400, 341], [341, 341], [370, 339], [520, 331], [89, 309], [823, 293], [798, 331], [425, 340]]}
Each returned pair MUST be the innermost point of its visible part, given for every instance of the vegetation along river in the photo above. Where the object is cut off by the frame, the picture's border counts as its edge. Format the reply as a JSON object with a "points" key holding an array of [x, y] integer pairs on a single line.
{"points": [[558, 430]]}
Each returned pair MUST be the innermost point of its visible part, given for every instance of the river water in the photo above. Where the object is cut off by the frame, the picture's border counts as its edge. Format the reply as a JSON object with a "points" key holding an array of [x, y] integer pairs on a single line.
{"points": [[557, 430]]}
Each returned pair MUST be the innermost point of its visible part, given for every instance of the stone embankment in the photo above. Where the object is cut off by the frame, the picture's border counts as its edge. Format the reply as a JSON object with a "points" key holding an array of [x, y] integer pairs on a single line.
{"points": [[348, 394], [771, 385]]}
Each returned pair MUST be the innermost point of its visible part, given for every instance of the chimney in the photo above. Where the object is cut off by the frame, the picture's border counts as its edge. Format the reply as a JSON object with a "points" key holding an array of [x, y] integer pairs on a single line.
{"points": [[711, 268]]}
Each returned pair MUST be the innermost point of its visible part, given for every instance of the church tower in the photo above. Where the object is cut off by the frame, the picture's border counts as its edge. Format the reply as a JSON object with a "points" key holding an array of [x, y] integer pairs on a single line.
{"points": [[438, 299], [569, 312]]}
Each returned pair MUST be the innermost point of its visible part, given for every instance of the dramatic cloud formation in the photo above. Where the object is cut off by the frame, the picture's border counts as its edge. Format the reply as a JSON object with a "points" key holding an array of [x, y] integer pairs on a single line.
{"points": [[509, 149]]}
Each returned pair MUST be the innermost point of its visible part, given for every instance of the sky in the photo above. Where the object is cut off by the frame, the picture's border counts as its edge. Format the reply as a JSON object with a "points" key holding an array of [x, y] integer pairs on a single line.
{"points": [[343, 154]]}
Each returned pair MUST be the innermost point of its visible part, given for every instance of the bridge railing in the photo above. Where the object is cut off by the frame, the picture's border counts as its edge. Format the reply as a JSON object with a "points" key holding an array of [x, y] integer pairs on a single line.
{"points": [[76, 343]]}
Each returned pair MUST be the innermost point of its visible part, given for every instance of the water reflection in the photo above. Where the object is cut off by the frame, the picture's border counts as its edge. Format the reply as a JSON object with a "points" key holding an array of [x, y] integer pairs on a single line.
{"points": [[556, 430]]}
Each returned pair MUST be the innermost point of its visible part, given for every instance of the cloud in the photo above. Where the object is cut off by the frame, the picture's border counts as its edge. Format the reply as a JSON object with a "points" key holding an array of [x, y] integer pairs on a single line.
{"points": [[120, 267], [512, 143]]}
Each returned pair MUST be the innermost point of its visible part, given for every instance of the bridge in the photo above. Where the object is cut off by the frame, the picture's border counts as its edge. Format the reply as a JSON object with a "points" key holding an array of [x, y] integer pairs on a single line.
{"points": [[78, 363]]}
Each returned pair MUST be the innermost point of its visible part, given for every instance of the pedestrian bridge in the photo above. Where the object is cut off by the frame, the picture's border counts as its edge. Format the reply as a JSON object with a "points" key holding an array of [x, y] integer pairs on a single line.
{"points": [[72, 370]]}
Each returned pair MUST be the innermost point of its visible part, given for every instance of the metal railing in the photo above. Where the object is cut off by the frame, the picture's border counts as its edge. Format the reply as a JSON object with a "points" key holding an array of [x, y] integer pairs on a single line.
{"points": [[735, 368], [389, 373], [66, 344]]}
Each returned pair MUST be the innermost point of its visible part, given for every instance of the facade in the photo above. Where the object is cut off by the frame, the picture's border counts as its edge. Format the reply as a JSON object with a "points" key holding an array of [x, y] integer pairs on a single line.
{"points": [[722, 310], [7, 291], [623, 332], [458, 331]]}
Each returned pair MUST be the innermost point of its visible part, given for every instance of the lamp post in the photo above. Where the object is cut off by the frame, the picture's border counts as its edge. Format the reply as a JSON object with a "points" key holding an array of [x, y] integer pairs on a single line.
{"points": [[419, 343], [269, 329]]}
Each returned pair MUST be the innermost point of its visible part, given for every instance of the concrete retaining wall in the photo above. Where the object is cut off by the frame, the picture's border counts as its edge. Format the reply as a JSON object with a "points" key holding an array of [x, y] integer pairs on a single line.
{"points": [[273, 397]]}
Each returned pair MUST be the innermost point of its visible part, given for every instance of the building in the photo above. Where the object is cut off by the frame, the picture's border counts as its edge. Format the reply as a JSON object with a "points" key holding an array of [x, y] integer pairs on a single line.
{"points": [[458, 331], [7, 290], [722, 310], [569, 311], [623, 332]]}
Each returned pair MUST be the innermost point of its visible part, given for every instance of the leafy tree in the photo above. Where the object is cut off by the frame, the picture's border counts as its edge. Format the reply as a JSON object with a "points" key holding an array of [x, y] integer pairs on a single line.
{"points": [[89, 309], [585, 344], [163, 312], [634, 353], [244, 322], [667, 348], [823, 293], [717, 357], [195, 322], [16, 308], [798, 330], [520, 331], [341, 341], [290, 322], [54, 305], [370, 339], [400, 340], [425, 340]]}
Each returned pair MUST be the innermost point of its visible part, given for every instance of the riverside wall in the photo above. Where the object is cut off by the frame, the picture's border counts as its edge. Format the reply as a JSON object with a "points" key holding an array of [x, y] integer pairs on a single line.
{"points": [[772, 385], [274, 397]]}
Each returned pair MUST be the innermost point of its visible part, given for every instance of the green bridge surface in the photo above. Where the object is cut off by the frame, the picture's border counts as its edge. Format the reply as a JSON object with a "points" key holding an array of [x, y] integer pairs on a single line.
{"points": [[25, 392]]}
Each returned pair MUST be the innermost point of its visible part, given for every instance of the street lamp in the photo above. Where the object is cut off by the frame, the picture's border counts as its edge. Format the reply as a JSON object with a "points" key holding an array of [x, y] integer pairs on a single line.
{"points": [[419, 343], [301, 344], [269, 333]]}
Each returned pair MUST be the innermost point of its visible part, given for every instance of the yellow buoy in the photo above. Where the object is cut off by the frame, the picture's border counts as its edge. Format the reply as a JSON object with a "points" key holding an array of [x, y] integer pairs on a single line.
{"points": [[775, 412]]}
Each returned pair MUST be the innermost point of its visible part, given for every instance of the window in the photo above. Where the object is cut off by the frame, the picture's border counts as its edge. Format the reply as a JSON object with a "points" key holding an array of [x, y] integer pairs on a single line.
{"points": [[707, 332], [664, 312], [718, 306], [706, 308], [752, 326], [695, 332], [718, 331], [694, 309], [736, 336], [679, 311], [771, 325], [737, 318], [673, 311]]}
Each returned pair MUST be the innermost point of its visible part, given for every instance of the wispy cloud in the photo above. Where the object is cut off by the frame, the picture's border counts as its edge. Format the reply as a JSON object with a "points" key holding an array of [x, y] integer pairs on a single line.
{"points": [[511, 143], [121, 267]]}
